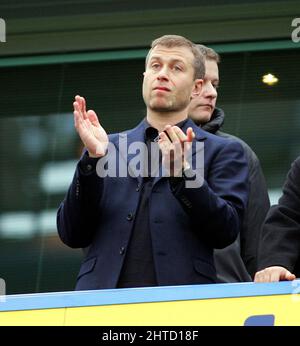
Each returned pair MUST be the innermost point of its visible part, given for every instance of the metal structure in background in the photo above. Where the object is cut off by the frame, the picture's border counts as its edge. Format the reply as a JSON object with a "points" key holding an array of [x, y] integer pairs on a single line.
{"points": [[48, 27]]}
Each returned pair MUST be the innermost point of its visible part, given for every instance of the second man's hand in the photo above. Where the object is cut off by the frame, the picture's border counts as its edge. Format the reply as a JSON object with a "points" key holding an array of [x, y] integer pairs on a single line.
{"points": [[274, 274], [89, 129]]}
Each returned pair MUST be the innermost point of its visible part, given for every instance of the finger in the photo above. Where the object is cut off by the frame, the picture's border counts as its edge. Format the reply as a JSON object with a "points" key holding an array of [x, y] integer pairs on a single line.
{"points": [[262, 276], [77, 105], [190, 134], [77, 108], [266, 277], [258, 277], [78, 122], [275, 276], [83, 107], [171, 133], [163, 147], [178, 152], [287, 275], [290, 277], [78, 100], [164, 138], [92, 116], [164, 142], [180, 134]]}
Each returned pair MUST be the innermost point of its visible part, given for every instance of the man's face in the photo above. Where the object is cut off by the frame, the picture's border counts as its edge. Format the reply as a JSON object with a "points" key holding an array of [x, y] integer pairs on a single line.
{"points": [[202, 106], [169, 79]]}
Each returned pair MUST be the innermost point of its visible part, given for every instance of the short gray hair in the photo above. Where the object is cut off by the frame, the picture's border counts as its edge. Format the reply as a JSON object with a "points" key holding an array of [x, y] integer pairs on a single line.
{"points": [[171, 41], [209, 53]]}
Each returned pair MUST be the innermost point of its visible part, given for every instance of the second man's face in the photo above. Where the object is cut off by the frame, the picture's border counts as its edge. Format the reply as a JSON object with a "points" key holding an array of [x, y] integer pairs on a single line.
{"points": [[202, 106], [169, 79]]}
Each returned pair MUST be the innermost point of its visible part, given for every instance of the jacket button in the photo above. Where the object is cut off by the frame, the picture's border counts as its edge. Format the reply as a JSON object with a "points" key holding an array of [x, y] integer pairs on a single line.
{"points": [[89, 168], [129, 217], [122, 250]]}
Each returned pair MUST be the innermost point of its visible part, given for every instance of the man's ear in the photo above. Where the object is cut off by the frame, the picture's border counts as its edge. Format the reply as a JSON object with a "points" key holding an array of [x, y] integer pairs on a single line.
{"points": [[144, 74], [197, 88]]}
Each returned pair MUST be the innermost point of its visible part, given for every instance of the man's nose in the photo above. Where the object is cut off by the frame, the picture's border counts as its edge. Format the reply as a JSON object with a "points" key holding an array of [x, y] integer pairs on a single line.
{"points": [[210, 91], [163, 74]]}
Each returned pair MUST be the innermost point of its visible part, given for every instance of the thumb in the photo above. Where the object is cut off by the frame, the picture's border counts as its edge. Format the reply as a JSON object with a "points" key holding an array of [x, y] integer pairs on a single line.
{"points": [[287, 275], [93, 117]]}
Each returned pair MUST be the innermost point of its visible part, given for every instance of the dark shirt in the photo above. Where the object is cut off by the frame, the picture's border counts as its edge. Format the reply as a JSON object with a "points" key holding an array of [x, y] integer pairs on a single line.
{"points": [[138, 268]]}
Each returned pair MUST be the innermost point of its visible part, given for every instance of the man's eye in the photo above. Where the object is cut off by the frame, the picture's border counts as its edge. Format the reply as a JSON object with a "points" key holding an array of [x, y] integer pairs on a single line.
{"points": [[177, 68], [155, 66]]}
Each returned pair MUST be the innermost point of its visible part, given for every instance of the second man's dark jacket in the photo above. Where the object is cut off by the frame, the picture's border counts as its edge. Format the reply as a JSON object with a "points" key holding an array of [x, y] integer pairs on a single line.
{"points": [[235, 262]]}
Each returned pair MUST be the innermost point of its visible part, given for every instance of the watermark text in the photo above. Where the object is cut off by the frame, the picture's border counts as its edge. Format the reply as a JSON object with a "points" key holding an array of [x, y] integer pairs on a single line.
{"points": [[2, 30], [2, 290], [141, 160], [296, 31]]}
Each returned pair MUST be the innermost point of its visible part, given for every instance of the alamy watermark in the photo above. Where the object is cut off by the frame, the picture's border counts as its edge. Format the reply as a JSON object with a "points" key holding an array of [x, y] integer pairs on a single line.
{"points": [[2, 30], [140, 160], [296, 32], [295, 293], [2, 291]]}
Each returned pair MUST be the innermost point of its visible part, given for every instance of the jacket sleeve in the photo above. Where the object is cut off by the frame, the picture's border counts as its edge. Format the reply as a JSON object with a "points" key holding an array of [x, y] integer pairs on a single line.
{"points": [[280, 237], [255, 213], [216, 206], [77, 215]]}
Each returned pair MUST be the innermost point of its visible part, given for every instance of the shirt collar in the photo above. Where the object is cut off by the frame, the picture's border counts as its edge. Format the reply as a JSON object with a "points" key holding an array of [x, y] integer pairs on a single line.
{"points": [[151, 133]]}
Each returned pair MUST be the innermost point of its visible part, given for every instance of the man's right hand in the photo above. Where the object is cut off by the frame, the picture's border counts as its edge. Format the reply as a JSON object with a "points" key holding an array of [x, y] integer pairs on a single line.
{"points": [[89, 129], [274, 274]]}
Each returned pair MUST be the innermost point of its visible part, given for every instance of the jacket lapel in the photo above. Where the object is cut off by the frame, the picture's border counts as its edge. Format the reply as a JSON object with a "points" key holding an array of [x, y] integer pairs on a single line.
{"points": [[129, 141]]}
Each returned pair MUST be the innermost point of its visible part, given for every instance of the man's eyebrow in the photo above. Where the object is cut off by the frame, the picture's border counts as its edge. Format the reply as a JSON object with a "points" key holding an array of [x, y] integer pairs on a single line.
{"points": [[214, 80], [173, 60], [153, 57]]}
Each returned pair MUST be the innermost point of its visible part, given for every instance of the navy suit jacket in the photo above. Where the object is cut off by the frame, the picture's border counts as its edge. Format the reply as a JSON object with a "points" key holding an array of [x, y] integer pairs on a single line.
{"points": [[186, 224]]}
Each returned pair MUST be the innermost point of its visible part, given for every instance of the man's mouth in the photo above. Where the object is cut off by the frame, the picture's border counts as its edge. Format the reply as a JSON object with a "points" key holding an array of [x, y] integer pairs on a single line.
{"points": [[160, 88], [206, 105]]}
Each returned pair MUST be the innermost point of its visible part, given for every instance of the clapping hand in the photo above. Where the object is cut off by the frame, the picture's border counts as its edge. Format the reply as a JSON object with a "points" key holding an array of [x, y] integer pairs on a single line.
{"points": [[174, 145], [89, 129]]}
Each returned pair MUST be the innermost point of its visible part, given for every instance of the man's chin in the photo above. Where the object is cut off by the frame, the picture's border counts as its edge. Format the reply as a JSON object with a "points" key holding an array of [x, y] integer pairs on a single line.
{"points": [[201, 119], [162, 109], [166, 108]]}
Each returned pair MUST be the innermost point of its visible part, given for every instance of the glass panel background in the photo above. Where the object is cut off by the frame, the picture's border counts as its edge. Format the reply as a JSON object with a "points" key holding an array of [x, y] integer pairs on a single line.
{"points": [[39, 146]]}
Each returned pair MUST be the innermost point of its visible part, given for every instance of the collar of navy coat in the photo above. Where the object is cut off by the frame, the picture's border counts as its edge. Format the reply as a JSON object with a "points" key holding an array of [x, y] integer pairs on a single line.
{"points": [[137, 134]]}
